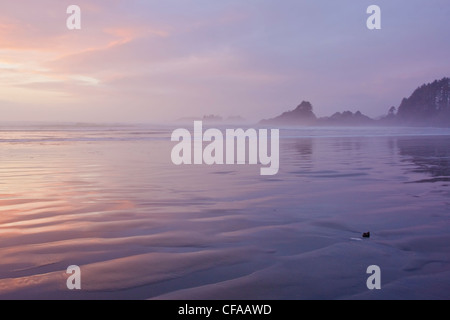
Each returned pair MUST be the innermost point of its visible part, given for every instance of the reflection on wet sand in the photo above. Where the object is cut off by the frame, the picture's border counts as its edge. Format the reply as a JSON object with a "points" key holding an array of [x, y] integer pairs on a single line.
{"points": [[430, 155], [141, 228]]}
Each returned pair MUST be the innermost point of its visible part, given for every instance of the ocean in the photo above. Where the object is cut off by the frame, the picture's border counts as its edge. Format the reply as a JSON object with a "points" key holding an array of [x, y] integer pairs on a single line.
{"points": [[108, 199]]}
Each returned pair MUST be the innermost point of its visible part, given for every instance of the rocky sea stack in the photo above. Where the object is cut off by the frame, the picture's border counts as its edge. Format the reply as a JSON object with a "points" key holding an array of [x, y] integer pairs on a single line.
{"points": [[302, 115]]}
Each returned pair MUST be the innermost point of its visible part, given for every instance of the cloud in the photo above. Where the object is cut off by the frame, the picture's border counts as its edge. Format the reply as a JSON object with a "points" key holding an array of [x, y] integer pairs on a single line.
{"points": [[171, 58]]}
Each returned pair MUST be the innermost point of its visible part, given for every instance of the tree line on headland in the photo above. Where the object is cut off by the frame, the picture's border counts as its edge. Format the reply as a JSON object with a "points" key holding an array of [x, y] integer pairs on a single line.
{"points": [[429, 105]]}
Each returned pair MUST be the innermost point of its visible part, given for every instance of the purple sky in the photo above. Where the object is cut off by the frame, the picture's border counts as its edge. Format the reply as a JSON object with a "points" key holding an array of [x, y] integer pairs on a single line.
{"points": [[150, 61]]}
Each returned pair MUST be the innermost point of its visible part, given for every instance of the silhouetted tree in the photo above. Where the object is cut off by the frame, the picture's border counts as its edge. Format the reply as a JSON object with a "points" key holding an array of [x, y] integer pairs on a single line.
{"points": [[392, 111], [429, 104]]}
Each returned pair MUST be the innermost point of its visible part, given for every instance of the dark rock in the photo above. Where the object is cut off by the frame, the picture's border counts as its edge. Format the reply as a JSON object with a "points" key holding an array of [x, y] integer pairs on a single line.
{"points": [[302, 115], [346, 118]]}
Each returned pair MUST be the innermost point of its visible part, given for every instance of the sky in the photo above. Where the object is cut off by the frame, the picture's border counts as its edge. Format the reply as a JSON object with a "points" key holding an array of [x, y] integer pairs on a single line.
{"points": [[160, 60]]}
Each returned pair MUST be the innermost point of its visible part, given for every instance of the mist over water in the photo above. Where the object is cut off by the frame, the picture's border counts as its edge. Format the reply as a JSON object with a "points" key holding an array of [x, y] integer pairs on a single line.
{"points": [[109, 199]]}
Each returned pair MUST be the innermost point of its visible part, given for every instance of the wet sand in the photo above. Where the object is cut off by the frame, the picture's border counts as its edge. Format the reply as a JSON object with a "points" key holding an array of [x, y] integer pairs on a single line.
{"points": [[111, 201]]}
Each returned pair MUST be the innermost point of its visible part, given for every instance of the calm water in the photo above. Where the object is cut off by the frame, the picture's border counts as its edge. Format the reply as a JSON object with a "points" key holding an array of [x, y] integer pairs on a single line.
{"points": [[110, 200]]}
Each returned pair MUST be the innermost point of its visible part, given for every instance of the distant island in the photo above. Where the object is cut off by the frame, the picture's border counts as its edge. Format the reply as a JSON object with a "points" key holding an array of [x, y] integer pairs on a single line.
{"points": [[212, 118], [429, 105]]}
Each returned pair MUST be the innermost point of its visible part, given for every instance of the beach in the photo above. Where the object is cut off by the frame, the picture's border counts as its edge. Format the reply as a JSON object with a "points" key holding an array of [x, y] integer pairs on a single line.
{"points": [[110, 200]]}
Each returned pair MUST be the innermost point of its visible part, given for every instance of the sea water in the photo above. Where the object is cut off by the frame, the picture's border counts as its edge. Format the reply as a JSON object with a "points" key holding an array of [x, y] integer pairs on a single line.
{"points": [[108, 198]]}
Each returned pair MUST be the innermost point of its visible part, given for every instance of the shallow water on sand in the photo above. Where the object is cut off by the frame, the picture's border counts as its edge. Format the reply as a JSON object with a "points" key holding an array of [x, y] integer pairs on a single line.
{"points": [[110, 200]]}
